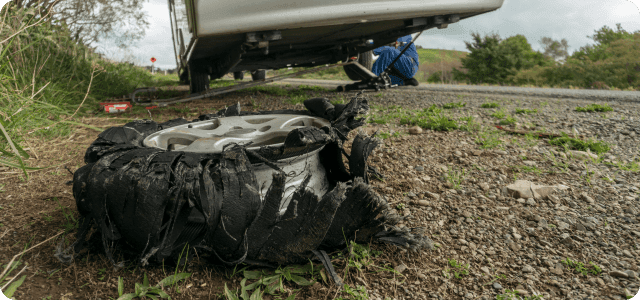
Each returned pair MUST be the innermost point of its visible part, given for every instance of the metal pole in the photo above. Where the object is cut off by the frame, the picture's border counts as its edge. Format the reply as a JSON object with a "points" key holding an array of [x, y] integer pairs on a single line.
{"points": [[401, 52]]}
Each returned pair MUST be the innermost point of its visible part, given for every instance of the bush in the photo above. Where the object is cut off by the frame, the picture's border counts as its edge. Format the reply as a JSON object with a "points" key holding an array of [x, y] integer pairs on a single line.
{"points": [[611, 63]]}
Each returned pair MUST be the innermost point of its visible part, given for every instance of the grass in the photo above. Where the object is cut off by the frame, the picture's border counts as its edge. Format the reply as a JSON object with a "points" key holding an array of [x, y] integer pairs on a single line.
{"points": [[47, 80], [594, 108], [455, 177], [272, 281], [580, 268], [457, 270], [489, 139], [490, 105], [526, 111], [500, 114], [431, 118], [567, 142], [454, 105], [508, 120]]}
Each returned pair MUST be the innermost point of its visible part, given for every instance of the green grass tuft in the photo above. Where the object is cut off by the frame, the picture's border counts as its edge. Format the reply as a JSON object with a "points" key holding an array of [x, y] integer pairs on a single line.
{"points": [[594, 108], [490, 105]]}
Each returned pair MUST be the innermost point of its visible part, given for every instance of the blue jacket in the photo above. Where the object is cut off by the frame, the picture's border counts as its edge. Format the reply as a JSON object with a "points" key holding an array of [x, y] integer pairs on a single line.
{"points": [[407, 65]]}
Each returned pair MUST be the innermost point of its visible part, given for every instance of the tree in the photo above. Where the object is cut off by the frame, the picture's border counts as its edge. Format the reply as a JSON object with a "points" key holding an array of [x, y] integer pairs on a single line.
{"points": [[556, 50], [89, 21], [493, 60], [603, 38]]}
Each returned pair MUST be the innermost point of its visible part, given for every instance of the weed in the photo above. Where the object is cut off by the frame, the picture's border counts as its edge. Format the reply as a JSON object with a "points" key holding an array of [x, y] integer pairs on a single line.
{"points": [[470, 124], [455, 177], [631, 166], [378, 95], [544, 103], [297, 99], [490, 105], [400, 206], [145, 290], [577, 144], [358, 293], [513, 295], [457, 269], [509, 120], [70, 220], [500, 114], [526, 111], [454, 105], [489, 139], [273, 281], [528, 169], [594, 107], [580, 267], [340, 99], [431, 118], [314, 88]]}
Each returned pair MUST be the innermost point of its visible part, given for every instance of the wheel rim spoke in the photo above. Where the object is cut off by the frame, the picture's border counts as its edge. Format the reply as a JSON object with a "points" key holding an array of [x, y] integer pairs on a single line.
{"points": [[213, 135]]}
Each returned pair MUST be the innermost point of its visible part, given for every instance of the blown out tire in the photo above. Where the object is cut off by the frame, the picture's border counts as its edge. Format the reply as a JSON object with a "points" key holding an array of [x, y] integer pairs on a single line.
{"points": [[158, 200]]}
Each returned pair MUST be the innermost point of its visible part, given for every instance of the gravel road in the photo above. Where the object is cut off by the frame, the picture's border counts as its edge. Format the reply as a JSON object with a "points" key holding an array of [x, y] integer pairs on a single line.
{"points": [[631, 96]]}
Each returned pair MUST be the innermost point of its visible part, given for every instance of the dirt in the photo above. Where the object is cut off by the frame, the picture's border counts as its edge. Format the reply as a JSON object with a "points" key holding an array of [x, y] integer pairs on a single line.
{"points": [[467, 221]]}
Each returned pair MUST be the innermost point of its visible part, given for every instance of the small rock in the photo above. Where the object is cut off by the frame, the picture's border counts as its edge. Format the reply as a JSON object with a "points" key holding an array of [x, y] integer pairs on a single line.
{"points": [[580, 227], [618, 274], [529, 163], [433, 195], [411, 195], [586, 197], [476, 152], [443, 168], [527, 269], [400, 268], [521, 201], [557, 271], [531, 202], [627, 253], [562, 225], [582, 154], [457, 153], [527, 189], [497, 286], [484, 186], [419, 168], [500, 152], [415, 130], [485, 270], [423, 203], [631, 274]]}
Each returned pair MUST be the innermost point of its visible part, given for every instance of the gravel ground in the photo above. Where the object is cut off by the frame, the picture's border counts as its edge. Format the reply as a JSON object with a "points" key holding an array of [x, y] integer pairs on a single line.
{"points": [[460, 192], [489, 241]]}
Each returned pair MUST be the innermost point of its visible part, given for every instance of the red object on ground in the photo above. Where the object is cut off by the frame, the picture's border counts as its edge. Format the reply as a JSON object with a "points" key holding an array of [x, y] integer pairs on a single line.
{"points": [[115, 107], [354, 58], [151, 107], [153, 59]]}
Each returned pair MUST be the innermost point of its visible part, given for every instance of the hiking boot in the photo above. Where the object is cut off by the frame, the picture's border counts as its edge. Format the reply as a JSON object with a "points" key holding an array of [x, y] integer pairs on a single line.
{"points": [[411, 81]]}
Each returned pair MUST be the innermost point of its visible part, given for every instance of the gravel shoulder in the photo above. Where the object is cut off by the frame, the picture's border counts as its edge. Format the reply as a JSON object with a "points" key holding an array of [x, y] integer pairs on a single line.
{"points": [[490, 240], [459, 190]]}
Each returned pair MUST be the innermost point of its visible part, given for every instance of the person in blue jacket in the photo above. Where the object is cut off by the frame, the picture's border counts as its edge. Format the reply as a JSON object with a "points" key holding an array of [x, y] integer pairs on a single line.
{"points": [[405, 68]]}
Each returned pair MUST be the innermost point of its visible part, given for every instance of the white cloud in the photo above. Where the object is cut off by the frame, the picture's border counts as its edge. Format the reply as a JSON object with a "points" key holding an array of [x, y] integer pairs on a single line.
{"points": [[570, 19]]}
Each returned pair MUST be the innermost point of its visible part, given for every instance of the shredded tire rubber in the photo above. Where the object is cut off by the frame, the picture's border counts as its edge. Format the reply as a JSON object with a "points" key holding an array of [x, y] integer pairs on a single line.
{"points": [[157, 202]]}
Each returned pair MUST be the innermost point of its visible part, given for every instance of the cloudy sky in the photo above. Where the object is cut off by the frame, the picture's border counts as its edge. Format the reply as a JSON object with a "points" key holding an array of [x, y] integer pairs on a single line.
{"points": [[570, 19]]}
